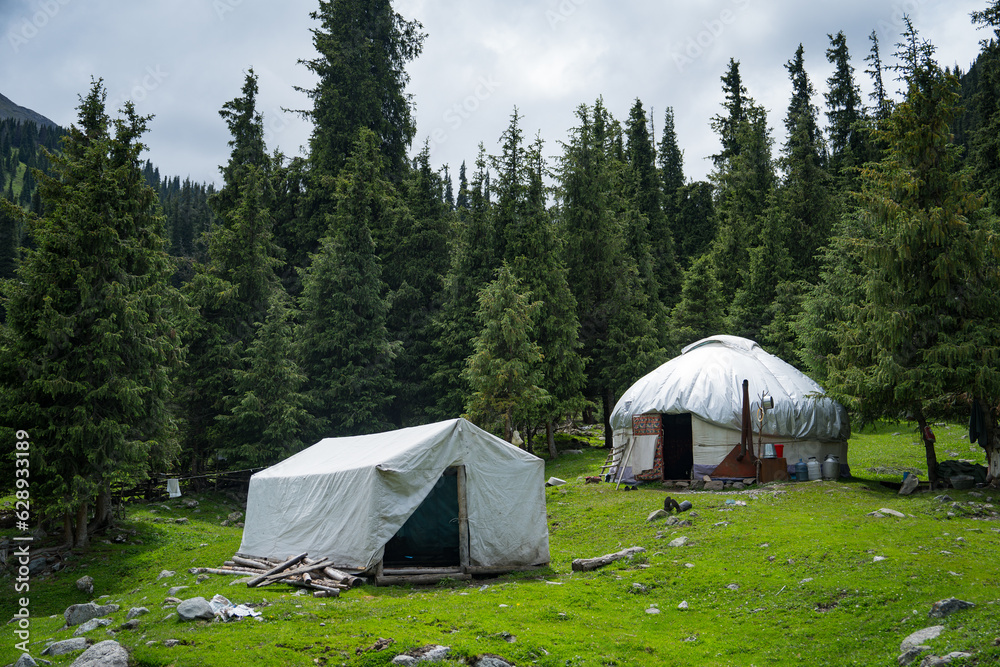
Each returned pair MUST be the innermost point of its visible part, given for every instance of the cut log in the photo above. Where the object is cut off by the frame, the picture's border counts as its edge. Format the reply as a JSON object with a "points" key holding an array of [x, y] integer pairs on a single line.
{"points": [[250, 562], [588, 564], [217, 570], [319, 565], [278, 568], [329, 590], [393, 580], [338, 575]]}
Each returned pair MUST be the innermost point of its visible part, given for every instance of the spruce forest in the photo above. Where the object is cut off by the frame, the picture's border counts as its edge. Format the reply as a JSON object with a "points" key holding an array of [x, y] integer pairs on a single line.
{"points": [[156, 326]]}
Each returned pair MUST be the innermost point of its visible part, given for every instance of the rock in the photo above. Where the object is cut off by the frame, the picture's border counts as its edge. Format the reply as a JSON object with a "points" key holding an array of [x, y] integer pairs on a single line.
{"points": [[652, 610], [683, 604], [171, 642], [173, 591], [943, 608], [432, 653], [936, 661], [739, 485], [85, 584], [202, 577], [171, 600], [553, 481], [81, 613], [886, 510], [657, 515], [489, 660], [909, 484], [108, 653], [92, 624], [943, 498], [733, 587], [677, 542], [191, 503], [715, 485], [183, 519], [235, 516], [129, 625], [135, 612], [911, 654], [66, 646], [37, 565], [195, 608], [164, 574], [25, 661], [921, 636]]}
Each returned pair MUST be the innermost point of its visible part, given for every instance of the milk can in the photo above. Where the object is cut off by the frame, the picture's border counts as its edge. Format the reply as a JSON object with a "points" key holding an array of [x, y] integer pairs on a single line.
{"points": [[831, 467], [814, 468]]}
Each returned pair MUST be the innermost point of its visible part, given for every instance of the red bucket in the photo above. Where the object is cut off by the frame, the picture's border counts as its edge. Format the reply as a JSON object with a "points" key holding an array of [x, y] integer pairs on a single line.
{"points": [[779, 450]]}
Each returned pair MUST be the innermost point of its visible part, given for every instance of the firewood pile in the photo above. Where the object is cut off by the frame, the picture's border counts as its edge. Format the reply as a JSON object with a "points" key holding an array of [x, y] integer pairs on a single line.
{"points": [[301, 571]]}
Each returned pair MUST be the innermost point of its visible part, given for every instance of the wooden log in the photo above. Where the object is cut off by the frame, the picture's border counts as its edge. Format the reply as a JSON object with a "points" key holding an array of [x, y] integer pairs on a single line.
{"points": [[276, 569], [392, 571], [393, 580], [217, 570], [250, 562], [319, 565], [339, 575], [588, 564], [329, 590]]}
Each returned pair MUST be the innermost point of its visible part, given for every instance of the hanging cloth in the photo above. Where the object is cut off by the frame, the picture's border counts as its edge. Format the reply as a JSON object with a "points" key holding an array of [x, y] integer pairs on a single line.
{"points": [[977, 425], [173, 488]]}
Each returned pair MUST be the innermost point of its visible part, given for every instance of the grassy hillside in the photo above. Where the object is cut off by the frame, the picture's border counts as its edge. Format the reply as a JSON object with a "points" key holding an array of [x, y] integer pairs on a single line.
{"points": [[784, 574]]}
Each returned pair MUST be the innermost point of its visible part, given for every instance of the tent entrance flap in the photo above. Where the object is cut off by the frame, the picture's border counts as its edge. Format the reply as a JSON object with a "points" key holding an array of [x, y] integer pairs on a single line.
{"points": [[678, 446], [431, 537]]}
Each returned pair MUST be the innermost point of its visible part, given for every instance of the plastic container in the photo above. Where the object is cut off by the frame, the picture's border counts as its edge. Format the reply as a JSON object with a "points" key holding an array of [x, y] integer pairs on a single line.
{"points": [[779, 450], [814, 469], [801, 471], [831, 467]]}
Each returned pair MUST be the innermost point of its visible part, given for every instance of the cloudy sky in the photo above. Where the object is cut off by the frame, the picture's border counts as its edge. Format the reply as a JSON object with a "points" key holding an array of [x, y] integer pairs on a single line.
{"points": [[181, 60]]}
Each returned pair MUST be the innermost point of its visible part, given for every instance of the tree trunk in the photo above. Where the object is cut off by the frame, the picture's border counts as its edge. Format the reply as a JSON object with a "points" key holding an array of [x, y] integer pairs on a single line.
{"points": [[82, 538], [928, 447], [102, 509], [608, 403], [68, 528], [550, 438], [508, 427]]}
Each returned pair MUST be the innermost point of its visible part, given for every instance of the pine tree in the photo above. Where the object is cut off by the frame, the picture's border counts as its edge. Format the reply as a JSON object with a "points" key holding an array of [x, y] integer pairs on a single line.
{"points": [[700, 311], [929, 271], [845, 109], [728, 126], [246, 129], [88, 335], [985, 158], [504, 371], [694, 223], [344, 343]]}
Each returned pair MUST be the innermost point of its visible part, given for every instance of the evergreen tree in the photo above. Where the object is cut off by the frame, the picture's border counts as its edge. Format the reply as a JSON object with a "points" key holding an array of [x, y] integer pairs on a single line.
{"points": [[845, 109], [671, 161], [344, 343], [929, 271], [699, 313], [246, 128], [694, 223], [363, 47], [985, 158], [504, 371], [727, 126], [88, 341]]}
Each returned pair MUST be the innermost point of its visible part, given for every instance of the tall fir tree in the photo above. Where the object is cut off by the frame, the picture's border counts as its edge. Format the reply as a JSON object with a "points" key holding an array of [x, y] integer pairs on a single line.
{"points": [[727, 125], [985, 157], [844, 112], [344, 342], [88, 339]]}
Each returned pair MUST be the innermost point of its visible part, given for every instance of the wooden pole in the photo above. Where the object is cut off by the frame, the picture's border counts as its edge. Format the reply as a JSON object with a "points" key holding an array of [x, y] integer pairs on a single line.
{"points": [[284, 566]]}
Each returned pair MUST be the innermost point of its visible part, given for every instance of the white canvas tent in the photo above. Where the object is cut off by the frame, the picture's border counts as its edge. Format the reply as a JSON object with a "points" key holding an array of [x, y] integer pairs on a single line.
{"points": [[447, 490], [682, 419]]}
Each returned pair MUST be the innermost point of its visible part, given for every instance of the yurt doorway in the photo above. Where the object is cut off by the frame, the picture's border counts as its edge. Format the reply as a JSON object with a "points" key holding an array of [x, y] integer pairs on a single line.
{"points": [[678, 451], [434, 534]]}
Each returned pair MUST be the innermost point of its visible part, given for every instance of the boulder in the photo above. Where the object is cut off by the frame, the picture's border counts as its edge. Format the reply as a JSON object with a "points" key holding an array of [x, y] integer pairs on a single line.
{"points": [[164, 574], [195, 608], [85, 584], [134, 612], [911, 654], [25, 661], [90, 625], [66, 646], [489, 660], [81, 613], [677, 542], [943, 608], [432, 653], [132, 624], [909, 485], [921, 636], [715, 485], [172, 592], [108, 653], [657, 515]]}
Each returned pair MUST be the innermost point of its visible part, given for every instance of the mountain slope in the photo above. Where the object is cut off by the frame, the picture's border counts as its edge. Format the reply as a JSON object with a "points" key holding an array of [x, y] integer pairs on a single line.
{"points": [[10, 110]]}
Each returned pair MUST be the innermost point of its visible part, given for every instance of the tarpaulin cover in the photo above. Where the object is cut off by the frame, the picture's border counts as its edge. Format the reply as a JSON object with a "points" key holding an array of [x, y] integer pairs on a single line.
{"points": [[344, 498], [706, 380]]}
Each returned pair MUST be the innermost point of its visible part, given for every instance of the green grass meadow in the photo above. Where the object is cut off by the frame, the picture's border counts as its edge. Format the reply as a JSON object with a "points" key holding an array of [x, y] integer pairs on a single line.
{"points": [[782, 574]]}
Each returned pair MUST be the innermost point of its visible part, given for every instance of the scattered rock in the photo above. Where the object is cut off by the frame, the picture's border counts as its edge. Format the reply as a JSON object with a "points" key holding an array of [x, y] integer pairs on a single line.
{"points": [[202, 577], [943, 498], [92, 624], [25, 661], [85, 584], [715, 485], [235, 516], [657, 515], [171, 600], [66, 646], [132, 624], [886, 510], [183, 519], [677, 542], [921, 636], [432, 653], [135, 612], [164, 574], [935, 661], [172, 592], [108, 653], [81, 613], [733, 587], [190, 503], [911, 654], [171, 642], [195, 608], [490, 660], [683, 604], [652, 610], [943, 608]]}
